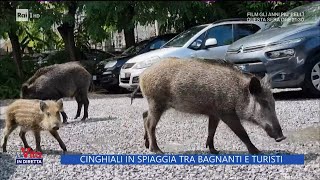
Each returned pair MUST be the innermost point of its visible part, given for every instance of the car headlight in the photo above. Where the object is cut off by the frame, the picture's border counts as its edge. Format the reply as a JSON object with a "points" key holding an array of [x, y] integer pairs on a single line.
{"points": [[110, 64], [286, 42], [280, 53], [146, 63]]}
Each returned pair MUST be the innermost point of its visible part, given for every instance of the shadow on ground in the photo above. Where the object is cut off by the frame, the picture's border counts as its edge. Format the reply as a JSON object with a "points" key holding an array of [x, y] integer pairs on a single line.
{"points": [[91, 120], [292, 95], [59, 152], [2, 123], [7, 165]]}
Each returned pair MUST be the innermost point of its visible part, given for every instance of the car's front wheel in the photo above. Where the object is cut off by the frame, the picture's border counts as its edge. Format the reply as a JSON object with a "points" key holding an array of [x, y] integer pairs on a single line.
{"points": [[312, 79]]}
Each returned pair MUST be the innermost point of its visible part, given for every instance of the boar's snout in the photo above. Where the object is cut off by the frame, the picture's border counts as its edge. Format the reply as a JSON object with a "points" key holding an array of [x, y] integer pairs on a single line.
{"points": [[275, 133], [281, 138]]}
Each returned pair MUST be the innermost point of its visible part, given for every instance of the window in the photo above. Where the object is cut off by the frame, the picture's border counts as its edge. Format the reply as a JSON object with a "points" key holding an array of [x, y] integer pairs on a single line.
{"points": [[223, 34], [196, 44], [184, 37], [157, 44], [243, 30]]}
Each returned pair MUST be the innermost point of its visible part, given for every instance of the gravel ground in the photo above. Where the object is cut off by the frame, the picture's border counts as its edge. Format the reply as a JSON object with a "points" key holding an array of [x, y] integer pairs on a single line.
{"points": [[115, 127]]}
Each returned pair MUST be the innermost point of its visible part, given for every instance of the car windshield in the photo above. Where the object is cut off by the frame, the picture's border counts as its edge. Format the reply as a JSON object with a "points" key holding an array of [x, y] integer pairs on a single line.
{"points": [[184, 37], [307, 14], [136, 48]]}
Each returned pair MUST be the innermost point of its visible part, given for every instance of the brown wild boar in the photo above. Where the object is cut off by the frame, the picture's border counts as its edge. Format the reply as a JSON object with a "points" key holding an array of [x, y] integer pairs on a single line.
{"points": [[216, 89], [58, 81], [34, 115]]}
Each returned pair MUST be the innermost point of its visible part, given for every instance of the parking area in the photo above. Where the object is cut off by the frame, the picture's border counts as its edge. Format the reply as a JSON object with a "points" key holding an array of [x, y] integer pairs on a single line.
{"points": [[116, 127]]}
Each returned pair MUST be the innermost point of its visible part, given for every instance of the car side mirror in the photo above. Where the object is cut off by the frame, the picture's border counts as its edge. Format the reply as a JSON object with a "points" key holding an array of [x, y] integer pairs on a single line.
{"points": [[211, 42]]}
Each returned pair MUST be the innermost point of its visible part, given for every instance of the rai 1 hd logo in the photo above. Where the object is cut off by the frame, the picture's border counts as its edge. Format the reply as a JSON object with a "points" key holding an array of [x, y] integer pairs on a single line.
{"points": [[28, 156], [23, 15]]}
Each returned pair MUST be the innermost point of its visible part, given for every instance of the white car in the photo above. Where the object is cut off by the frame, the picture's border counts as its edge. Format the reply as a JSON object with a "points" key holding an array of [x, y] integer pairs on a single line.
{"points": [[208, 41]]}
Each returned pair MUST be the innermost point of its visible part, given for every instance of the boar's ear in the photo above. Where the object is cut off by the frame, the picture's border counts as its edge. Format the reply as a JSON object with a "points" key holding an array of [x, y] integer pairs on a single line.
{"points": [[43, 106], [60, 104], [255, 86]]}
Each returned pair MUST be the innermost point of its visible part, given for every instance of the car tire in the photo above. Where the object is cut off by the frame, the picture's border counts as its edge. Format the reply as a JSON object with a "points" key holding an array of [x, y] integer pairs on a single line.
{"points": [[312, 79]]}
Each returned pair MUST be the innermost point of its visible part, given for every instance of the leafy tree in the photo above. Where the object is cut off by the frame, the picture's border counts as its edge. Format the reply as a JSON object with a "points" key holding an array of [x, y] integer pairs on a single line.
{"points": [[10, 28], [62, 15]]}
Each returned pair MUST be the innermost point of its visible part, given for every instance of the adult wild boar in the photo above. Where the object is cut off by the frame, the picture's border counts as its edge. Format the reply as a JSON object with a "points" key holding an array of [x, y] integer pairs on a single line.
{"points": [[216, 89], [34, 115], [58, 81]]}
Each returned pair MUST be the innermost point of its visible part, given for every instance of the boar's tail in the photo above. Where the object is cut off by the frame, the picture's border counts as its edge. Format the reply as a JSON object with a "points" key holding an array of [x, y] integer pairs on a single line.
{"points": [[134, 93]]}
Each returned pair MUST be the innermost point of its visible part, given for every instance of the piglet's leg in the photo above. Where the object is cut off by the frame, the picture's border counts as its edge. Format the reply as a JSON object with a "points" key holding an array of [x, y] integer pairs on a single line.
{"points": [[22, 135], [38, 140], [55, 134], [6, 132]]}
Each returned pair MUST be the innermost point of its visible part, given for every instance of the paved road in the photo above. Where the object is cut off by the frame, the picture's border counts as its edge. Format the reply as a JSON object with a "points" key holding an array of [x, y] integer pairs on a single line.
{"points": [[115, 127]]}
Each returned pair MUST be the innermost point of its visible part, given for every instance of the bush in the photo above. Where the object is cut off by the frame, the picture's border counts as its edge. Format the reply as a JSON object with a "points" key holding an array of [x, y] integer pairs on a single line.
{"points": [[9, 80], [10, 83]]}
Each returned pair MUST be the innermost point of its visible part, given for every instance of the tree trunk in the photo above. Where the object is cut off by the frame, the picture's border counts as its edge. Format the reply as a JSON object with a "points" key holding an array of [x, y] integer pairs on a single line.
{"points": [[129, 37], [67, 35], [66, 31], [16, 53], [129, 27]]}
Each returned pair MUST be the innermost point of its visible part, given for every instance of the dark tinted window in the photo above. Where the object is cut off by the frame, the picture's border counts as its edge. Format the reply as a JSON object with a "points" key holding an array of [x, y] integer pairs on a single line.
{"points": [[243, 30], [223, 34], [157, 44]]}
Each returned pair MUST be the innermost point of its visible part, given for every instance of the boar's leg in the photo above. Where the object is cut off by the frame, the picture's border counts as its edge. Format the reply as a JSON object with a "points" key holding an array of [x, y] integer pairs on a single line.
{"points": [[145, 115], [6, 132], [38, 140], [55, 134], [235, 125], [22, 135], [79, 101], [154, 114], [86, 105], [213, 124], [64, 116]]}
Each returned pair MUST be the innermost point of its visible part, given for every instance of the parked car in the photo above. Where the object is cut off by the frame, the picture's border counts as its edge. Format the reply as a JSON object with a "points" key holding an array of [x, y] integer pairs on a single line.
{"points": [[289, 50], [208, 41], [107, 74]]}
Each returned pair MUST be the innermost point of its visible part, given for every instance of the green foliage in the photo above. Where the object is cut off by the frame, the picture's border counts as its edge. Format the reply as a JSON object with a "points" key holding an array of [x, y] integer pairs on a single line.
{"points": [[9, 81]]}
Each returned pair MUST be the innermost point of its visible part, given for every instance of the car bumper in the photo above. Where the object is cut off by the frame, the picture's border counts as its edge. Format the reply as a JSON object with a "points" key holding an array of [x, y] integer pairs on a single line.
{"points": [[109, 78], [129, 78]]}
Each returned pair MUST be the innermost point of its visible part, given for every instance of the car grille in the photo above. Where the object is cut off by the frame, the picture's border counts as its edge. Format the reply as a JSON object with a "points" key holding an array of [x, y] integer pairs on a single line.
{"points": [[245, 50], [125, 80], [127, 65]]}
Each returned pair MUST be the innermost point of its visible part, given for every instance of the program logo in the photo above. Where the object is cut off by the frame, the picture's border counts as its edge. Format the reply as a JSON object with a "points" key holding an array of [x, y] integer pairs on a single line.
{"points": [[29, 156]]}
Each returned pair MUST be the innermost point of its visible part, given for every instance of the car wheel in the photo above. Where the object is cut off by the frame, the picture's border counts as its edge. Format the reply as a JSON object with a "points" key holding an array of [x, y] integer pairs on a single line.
{"points": [[312, 79]]}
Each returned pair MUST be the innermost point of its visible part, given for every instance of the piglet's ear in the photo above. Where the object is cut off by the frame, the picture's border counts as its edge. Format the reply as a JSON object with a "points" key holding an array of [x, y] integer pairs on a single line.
{"points": [[60, 104], [43, 106], [255, 86]]}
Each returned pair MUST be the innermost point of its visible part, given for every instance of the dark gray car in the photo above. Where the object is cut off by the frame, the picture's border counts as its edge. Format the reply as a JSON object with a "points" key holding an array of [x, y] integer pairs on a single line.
{"points": [[288, 50]]}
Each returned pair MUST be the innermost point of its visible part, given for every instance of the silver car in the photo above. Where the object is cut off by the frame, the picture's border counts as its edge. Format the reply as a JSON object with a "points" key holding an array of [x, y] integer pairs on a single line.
{"points": [[208, 41]]}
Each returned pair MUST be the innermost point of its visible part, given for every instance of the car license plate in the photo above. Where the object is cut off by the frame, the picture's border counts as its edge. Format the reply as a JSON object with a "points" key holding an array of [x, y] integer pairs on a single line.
{"points": [[94, 77]]}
